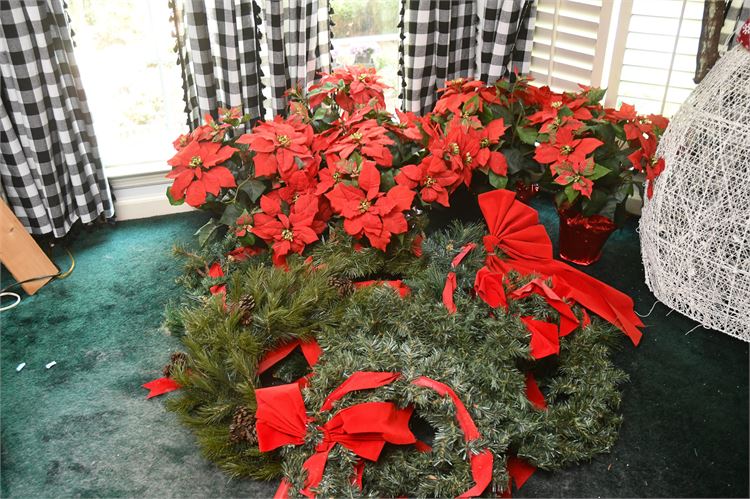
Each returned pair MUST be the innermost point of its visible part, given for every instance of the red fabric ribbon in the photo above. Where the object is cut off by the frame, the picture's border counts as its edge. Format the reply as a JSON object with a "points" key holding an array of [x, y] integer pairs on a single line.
{"points": [[533, 393], [310, 350], [465, 249], [489, 287], [160, 386], [281, 419], [568, 320], [448, 290], [481, 464], [397, 284], [545, 339], [519, 472], [514, 228]]}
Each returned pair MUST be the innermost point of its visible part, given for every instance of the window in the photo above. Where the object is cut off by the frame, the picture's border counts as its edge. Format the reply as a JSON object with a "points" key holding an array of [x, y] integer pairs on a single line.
{"points": [[366, 32], [659, 54], [643, 51], [134, 89]]}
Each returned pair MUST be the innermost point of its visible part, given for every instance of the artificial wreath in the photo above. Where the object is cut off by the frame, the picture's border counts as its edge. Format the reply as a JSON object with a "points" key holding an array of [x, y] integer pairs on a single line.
{"points": [[337, 335]]}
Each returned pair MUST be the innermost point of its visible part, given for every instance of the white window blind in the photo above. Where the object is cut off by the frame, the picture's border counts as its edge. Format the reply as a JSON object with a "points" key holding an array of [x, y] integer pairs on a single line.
{"points": [[570, 41], [658, 56]]}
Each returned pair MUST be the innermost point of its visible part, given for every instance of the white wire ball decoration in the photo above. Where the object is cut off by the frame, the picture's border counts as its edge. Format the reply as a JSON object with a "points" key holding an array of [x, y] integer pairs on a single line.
{"points": [[695, 231]]}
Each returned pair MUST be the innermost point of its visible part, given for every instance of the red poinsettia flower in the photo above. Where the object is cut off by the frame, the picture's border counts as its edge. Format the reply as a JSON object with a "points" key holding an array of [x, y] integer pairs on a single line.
{"points": [[211, 130], [459, 148], [407, 126], [637, 127], [242, 253], [196, 171], [433, 176], [367, 137], [278, 145], [645, 159], [287, 233], [369, 212], [490, 136], [182, 141], [243, 225], [458, 92], [575, 176], [565, 148], [350, 87], [232, 113], [551, 103]]}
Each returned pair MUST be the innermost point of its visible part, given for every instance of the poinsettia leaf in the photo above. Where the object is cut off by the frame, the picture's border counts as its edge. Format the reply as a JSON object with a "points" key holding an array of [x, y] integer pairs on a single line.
{"points": [[231, 213], [599, 172], [619, 131], [387, 180], [595, 203], [207, 232], [517, 161], [253, 188], [471, 105], [542, 137], [571, 193], [565, 111], [497, 181], [527, 135], [173, 201], [595, 95]]}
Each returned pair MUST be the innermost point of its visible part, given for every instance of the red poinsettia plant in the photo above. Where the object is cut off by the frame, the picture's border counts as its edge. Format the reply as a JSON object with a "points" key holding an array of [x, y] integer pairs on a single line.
{"points": [[340, 159], [567, 142]]}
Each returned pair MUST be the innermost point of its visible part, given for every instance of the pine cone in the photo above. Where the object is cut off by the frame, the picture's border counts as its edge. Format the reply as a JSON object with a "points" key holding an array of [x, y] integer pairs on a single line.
{"points": [[343, 285], [177, 359], [246, 306], [242, 428]]}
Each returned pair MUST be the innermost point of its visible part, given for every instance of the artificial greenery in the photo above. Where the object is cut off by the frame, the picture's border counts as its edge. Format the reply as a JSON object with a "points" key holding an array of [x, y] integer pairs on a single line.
{"points": [[482, 353]]}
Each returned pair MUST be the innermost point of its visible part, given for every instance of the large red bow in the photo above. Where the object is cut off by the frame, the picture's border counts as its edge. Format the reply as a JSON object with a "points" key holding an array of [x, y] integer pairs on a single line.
{"points": [[514, 228], [281, 419]]}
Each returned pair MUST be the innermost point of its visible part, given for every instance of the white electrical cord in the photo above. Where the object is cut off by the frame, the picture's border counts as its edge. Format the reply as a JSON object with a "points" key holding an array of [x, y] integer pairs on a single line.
{"points": [[14, 295]]}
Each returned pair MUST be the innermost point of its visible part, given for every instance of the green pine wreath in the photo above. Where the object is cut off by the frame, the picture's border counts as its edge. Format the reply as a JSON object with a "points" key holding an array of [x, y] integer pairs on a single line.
{"points": [[482, 353]]}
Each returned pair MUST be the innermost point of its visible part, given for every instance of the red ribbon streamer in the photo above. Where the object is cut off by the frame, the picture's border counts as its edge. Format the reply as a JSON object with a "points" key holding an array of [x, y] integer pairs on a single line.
{"points": [[514, 228], [533, 393], [360, 380], [544, 337], [465, 249], [160, 386], [310, 350], [448, 290], [489, 287], [481, 464], [519, 472], [568, 320]]}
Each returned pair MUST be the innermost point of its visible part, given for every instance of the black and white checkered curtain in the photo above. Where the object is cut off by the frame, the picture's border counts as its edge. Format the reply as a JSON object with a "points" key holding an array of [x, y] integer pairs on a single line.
{"points": [[297, 36], [51, 172], [218, 46], [248, 53], [447, 39]]}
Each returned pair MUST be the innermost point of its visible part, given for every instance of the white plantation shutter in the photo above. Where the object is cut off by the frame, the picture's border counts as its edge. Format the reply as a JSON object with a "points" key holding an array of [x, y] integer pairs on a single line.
{"points": [[570, 41], [658, 55]]}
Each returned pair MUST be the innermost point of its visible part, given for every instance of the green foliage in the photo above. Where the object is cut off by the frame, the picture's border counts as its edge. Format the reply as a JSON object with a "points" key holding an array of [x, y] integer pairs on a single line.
{"points": [[482, 353]]}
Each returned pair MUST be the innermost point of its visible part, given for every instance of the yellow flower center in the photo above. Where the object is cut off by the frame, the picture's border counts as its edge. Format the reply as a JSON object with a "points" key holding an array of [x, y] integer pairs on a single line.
{"points": [[468, 159], [287, 234], [429, 182], [196, 162], [644, 121], [484, 142], [283, 140], [362, 77], [557, 104], [454, 148], [364, 205], [565, 150], [357, 136]]}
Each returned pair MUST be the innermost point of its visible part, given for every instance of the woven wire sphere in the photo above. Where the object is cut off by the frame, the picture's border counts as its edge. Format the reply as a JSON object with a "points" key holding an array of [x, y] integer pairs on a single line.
{"points": [[695, 231]]}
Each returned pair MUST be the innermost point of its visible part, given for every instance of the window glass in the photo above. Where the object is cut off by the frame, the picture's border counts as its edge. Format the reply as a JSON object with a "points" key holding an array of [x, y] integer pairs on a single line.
{"points": [[366, 32], [124, 51]]}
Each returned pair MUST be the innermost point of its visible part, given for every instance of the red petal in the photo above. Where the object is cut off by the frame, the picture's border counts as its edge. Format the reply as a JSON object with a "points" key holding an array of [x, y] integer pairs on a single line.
{"points": [[196, 194], [369, 179], [448, 289], [401, 196]]}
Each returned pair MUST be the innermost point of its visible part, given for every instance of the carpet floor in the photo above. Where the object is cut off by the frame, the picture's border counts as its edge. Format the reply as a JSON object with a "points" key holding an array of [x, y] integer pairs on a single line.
{"points": [[85, 428]]}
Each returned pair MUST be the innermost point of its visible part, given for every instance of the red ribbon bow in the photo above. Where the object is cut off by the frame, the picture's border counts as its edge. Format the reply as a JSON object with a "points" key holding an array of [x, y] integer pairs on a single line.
{"points": [[514, 228], [281, 419]]}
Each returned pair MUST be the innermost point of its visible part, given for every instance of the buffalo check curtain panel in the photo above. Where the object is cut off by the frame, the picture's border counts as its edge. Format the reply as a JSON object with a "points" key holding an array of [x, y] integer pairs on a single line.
{"points": [[51, 171]]}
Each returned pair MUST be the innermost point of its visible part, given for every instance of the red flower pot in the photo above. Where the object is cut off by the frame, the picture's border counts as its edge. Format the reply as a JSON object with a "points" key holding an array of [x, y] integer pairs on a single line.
{"points": [[526, 192], [582, 238]]}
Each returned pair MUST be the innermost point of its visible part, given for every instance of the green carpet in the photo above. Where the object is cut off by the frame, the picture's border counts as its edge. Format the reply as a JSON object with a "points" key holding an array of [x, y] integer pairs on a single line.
{"points": [[84, 427]]}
